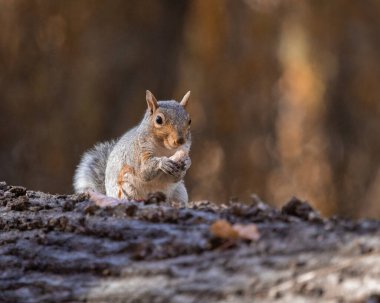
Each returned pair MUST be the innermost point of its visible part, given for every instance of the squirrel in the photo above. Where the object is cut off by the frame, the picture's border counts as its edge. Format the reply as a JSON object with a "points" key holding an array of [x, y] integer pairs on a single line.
{"points": [[151, 157]]}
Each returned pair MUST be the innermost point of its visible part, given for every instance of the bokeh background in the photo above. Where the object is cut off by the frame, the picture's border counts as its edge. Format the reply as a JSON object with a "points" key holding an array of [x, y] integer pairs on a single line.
{"points": [[285, 94]]}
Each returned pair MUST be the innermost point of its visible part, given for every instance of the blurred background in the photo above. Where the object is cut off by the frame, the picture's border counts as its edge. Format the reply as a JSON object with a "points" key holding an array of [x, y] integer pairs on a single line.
{"points": [[285, 94]]}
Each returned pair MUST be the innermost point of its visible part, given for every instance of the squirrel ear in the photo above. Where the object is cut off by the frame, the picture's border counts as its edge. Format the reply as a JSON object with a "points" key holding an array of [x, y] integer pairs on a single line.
{"points": [[151, 101], [185, 99]]}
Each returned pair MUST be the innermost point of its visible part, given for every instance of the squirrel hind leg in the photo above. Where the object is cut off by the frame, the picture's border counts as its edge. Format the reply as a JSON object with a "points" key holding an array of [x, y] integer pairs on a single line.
{"points": [[90, 173], [180, 195]]}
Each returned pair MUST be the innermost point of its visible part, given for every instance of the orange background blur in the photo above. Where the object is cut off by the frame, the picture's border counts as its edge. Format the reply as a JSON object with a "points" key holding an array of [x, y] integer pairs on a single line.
{"points": [[285, 94]]}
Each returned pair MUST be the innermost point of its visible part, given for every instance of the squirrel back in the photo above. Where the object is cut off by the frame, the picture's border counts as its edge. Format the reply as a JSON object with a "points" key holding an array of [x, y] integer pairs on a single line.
{"points": [[150, 157]]}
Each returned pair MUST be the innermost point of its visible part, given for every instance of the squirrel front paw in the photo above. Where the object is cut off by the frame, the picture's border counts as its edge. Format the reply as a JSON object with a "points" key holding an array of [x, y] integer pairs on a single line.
{"points": [[185, 163], [170, 167], [182, 158]]}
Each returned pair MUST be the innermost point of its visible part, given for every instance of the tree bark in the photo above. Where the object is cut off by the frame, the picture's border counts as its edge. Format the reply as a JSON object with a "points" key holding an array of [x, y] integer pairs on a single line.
{"points": [[65, 248]]}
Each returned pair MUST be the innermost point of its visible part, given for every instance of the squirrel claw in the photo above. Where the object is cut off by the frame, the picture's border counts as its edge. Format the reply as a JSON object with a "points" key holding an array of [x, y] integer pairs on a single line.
{"points": [[170, 167]]}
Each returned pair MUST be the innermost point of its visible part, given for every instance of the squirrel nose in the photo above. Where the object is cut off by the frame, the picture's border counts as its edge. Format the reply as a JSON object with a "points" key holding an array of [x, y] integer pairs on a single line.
{"points": [[180, 141]]}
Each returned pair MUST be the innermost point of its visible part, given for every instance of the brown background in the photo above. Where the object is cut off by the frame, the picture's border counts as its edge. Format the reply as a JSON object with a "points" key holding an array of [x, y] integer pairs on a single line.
{"points": [[285, 94]]}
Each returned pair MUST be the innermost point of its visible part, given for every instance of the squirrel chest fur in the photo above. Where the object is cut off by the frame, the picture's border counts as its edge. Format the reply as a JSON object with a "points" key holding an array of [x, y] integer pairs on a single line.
{"points": [[151, 157]]}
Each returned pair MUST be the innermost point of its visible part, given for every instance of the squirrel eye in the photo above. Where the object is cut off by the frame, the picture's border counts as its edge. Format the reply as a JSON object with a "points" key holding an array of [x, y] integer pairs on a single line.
{"points": [[189, 121], [159, 120]]}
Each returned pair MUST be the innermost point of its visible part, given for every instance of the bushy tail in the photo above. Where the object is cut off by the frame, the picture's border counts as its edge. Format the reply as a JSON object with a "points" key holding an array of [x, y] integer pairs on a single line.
{"points": [[91, 171]]}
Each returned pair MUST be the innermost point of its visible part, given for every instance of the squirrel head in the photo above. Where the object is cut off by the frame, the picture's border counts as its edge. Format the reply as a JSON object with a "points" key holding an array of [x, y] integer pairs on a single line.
{"points": [[169, 120]]}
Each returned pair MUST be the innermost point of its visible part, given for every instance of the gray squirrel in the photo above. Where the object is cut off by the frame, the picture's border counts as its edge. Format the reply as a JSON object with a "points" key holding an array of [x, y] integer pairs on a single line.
{"points": [[151, 157]]}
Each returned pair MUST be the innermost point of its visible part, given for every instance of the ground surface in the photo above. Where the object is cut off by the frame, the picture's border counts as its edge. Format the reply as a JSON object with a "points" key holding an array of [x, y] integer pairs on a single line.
{"points": [[66, 249]]}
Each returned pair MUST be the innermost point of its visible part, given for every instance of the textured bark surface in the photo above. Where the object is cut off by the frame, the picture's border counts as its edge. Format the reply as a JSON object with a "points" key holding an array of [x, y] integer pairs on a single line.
{"points": [[66, 249]]}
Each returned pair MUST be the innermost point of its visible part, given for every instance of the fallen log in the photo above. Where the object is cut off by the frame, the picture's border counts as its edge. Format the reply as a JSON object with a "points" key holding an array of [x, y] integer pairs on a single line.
{"points": [[65, 248]]}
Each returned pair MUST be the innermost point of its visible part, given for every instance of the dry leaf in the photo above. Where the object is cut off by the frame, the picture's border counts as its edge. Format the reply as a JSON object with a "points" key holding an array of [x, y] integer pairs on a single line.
{"points": [[223, 229]]}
